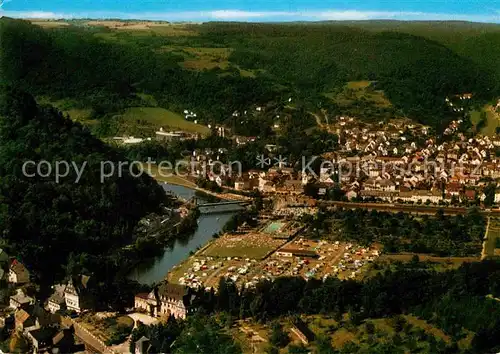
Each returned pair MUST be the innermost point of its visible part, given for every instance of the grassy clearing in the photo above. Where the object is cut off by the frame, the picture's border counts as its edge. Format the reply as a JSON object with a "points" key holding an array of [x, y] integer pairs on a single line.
{"points": [[81, 115], [204, 64], [206, 58], [439, 264], [428, 328], [492, 120], [246, 73], [384, 330], [356, 91], [250, 245], [357, 85], [161, 117], [241, 252], [321, 324]]}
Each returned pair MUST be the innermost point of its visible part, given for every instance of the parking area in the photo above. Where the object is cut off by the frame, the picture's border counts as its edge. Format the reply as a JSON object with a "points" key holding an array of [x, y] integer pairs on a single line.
{"points": [[300, 257], [318, 259]]}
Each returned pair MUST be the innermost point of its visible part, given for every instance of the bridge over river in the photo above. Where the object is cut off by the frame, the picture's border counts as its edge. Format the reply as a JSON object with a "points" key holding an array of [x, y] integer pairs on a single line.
{"points": [[222, 207]]}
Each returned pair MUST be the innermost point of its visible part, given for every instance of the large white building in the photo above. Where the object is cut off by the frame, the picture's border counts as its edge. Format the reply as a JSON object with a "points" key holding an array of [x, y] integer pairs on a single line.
{"points": [[167, 300]]}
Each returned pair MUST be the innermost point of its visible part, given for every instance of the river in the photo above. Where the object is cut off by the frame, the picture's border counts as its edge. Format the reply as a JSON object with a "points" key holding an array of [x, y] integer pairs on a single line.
{"points": [[152, 272]]}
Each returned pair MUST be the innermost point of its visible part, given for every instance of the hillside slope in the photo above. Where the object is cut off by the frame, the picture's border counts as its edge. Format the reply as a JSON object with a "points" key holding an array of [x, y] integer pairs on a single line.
{"points": [[72, 222], [222, 67]]}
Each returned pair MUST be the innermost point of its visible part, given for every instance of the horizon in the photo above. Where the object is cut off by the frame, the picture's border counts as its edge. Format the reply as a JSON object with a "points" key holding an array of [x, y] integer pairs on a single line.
{"points": [[255, 11]]}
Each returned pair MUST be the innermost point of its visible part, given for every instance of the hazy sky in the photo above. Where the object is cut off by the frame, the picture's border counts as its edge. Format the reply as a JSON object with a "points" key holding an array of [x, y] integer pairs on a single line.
{"points": [[258, 10]]}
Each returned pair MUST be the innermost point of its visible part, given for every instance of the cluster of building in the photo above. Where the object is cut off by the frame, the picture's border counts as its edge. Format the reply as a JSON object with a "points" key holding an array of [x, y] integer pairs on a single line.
{"points": [[394, 161], [431, 172], [161, 135], [41, 325]]}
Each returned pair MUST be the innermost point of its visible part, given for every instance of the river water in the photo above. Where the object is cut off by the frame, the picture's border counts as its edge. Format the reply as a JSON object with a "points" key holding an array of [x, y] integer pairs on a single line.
{"points": [[155, 271]]}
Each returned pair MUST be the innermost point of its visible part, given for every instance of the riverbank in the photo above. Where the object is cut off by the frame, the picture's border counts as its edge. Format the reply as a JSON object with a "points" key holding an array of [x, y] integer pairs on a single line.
{"points": [[179, 248], [170, 178], [146, 248]]}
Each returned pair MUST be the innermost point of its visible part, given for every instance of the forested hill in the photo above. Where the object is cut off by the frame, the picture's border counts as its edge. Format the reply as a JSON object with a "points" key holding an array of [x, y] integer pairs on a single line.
{"points": [[108, 76], [217, 68], [49, 224]]}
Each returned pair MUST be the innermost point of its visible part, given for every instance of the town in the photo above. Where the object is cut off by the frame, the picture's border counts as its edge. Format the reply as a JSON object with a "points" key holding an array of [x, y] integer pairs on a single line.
{"points": [[249, 188], [374, 165]]}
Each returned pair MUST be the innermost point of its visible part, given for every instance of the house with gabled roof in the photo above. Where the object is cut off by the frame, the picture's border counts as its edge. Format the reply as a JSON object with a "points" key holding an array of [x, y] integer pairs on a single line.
{"points": [[175, 300], [74, 296], [18, 274], [20, 300]]}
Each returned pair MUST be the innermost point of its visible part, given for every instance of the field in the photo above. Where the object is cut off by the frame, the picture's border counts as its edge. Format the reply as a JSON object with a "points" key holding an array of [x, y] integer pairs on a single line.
{"points": [[348, 64], [362, 90], [206, 58], [49, 23], [145, 27], [492, 120], [251, 245], [160, 117], [361, 99], [358, 85], [81, 115]]}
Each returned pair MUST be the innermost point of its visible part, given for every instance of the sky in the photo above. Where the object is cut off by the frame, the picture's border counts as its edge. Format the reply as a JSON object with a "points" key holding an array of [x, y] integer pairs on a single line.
{"points": [[257, 10]]}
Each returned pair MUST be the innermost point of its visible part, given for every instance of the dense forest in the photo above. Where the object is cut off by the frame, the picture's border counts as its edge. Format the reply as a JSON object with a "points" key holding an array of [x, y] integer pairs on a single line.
{"points": [[71, 225], [108, 72], [107, 77]]}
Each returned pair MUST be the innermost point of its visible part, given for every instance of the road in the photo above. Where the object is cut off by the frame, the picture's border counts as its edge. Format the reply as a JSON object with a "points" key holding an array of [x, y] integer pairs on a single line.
{"points": [[490, 239], [413, 209]]}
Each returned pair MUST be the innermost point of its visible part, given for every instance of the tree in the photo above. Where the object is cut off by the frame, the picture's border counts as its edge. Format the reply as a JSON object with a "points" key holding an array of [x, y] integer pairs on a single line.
{"points": [[370, 328], [203, 335], [297, 349], [278, 338], [324, 345], [75, 222], [489, 193], [18, 344]]}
